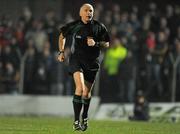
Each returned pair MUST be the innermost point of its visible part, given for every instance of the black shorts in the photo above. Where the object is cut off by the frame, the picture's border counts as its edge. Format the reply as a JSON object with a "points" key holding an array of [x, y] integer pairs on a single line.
{"points": [[88, 68]]}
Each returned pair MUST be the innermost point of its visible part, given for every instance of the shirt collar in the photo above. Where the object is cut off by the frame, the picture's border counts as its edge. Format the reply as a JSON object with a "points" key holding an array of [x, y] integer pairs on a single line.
{"points": [[90, 22]]}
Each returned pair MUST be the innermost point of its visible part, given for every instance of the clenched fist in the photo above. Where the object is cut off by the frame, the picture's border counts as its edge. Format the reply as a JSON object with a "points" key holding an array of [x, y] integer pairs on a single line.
{"points": [[61, 57], [90, 41]]}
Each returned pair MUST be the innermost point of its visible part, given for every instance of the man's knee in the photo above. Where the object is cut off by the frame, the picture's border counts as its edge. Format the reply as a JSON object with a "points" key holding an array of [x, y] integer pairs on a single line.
{"points": [[86, 94], [79, 89], [78, 92]]}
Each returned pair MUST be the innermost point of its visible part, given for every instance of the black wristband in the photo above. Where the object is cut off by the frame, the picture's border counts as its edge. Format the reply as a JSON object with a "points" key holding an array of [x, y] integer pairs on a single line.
{"points": [[60, 52]]}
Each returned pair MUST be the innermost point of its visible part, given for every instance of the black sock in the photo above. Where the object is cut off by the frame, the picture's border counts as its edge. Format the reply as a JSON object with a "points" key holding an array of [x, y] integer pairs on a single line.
{"points": [[86, 103], [77, 105]]}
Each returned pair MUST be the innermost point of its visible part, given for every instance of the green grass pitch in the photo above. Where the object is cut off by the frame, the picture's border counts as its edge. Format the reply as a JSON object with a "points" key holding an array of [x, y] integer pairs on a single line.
{"points": [[56, 125]]}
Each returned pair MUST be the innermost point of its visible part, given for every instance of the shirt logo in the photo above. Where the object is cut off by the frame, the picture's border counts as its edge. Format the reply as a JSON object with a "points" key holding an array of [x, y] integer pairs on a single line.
{"points": [[78, 37]]}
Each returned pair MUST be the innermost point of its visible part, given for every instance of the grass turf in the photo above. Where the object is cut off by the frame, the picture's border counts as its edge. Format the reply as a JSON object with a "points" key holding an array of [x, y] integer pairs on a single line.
{"points": [[52, 125]]}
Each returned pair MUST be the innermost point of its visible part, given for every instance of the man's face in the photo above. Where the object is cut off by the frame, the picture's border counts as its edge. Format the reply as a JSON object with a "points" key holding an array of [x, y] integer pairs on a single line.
{"points": [[86, 13]]}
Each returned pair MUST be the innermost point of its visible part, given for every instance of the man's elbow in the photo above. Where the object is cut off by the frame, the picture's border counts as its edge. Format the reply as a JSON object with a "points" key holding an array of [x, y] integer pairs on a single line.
{"points": [[61, 36], [106, 45]]}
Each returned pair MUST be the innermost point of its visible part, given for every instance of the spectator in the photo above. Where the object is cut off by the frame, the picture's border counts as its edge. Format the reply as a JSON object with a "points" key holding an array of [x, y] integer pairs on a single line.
{"points": [[127, 73], [9, 79], [40, 35], [141, 108], [158, 56], [113, 58], [30, 67], [172, 70], [43, 70], [1, 72]]}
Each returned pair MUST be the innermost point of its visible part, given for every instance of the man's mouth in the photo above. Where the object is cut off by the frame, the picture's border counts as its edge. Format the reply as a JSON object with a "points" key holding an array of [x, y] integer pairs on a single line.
{"points": [[89, 17]]}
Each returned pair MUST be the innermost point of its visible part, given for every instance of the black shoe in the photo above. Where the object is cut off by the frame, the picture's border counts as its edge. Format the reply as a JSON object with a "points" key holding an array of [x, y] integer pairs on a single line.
{"points": [[77, 126], [84, 124]]}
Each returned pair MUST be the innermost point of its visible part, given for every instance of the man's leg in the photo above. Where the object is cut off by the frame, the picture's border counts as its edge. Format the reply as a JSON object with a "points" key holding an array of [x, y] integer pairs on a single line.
{"points": [[86, 99], [77, 100]]}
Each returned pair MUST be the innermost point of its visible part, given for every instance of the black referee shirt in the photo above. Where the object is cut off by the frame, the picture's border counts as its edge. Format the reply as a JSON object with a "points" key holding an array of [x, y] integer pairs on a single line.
{"points": [[78, 32]]}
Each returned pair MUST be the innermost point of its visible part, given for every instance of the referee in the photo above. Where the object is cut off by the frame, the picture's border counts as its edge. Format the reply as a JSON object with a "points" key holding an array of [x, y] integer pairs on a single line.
{"points": [[88, 37]]}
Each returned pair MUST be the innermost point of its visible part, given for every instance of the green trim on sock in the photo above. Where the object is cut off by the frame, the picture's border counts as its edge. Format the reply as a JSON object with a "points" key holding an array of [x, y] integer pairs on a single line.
{"points": [[77, 99], [86, 100]]}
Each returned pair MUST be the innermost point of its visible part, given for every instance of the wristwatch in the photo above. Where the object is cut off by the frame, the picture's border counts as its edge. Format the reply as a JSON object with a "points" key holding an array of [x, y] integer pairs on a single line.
{"points": [[60, 52]]}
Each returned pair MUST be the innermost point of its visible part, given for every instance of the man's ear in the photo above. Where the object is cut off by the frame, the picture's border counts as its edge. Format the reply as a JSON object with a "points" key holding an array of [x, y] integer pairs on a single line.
{"points": [[80, 12]]}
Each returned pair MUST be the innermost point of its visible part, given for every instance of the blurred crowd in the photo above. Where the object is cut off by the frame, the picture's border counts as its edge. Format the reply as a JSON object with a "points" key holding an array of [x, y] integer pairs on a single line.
{"points": [[144, 53]]}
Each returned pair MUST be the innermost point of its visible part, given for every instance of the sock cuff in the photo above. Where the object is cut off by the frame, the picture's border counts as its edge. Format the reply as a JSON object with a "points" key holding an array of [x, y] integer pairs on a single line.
{"points": [[77, 99], [86, 100]]}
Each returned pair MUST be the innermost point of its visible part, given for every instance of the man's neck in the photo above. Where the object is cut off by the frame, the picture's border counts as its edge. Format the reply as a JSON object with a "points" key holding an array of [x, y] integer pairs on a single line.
{"points": [[85, 22]]}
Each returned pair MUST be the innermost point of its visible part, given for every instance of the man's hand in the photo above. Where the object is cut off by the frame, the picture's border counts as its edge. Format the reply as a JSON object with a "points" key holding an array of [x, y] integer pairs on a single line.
{"points": [[90, 41], [61, 57]]}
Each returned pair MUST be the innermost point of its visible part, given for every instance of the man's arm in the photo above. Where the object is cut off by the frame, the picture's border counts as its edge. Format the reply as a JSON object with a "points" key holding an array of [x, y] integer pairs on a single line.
{"points": [[104, 37], [61, 42], [102, 44], [61, 47]]}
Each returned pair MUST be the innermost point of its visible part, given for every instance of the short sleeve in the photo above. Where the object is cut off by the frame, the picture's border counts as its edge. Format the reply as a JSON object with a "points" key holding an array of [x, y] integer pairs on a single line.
{"points": [[104, 35], [68, 28], [64, 30]]}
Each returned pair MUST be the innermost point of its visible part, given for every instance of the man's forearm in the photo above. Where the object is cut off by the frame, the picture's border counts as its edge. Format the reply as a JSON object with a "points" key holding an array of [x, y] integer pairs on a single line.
{"points": [[61, 42], [102, 44]]}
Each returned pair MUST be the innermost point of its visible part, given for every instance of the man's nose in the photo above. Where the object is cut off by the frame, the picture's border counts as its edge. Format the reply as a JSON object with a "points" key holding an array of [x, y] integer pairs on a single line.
{"points": [[89, 12]]}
